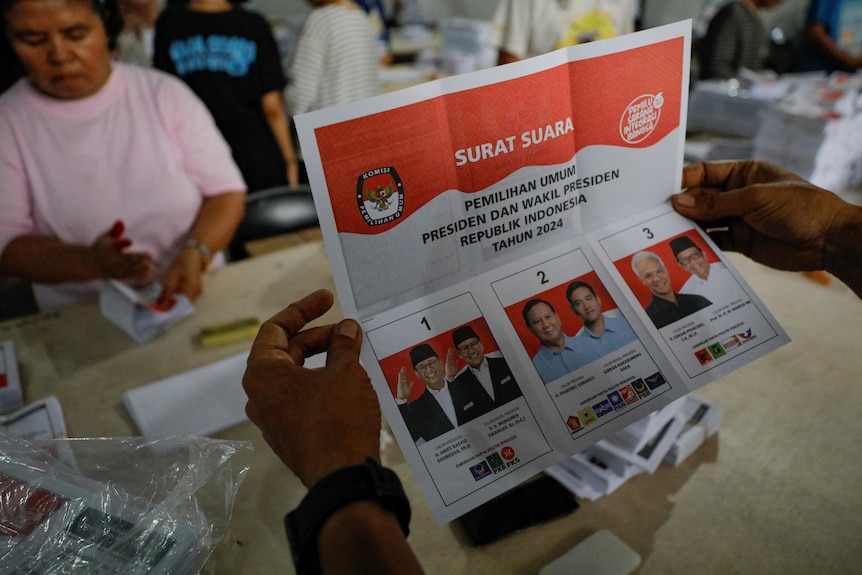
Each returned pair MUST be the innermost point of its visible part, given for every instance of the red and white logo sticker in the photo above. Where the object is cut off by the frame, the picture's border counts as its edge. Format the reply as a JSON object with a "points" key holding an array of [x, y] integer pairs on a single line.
{"points": [[641, 117]]}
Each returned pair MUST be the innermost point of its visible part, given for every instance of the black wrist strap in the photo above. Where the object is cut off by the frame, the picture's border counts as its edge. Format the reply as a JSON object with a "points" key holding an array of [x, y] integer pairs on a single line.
{"points": [[336, 490]]}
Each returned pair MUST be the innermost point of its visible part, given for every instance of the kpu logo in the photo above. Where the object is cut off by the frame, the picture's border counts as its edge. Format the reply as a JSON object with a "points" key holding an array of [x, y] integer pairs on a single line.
{"points": [[380, 196]]}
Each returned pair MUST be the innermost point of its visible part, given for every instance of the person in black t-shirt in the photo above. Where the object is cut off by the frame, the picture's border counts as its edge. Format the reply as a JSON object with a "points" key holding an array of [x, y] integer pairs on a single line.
{"points": [[229, 57]]}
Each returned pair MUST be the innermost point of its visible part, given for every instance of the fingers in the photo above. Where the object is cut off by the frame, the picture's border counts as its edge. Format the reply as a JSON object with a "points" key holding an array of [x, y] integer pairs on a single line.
{"points": [[295, 316], [345, 343], [117, 229], [282, 331]]}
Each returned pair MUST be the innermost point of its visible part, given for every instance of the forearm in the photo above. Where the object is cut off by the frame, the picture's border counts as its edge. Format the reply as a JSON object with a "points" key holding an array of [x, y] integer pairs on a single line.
{"points": [[218, 219], [364, 538], [823, 44], [843, 248], [273, 109], [46, 260]]}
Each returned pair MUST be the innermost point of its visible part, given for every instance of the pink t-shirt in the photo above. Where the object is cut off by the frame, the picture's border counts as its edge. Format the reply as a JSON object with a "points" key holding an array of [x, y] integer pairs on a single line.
{"points": [[144, 149]]}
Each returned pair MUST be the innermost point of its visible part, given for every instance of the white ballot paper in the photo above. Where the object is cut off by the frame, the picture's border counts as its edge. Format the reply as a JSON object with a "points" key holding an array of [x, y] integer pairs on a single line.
{"points": [[42, 419], [136, 312], [458, 213], [11, 395], [201, 401]]}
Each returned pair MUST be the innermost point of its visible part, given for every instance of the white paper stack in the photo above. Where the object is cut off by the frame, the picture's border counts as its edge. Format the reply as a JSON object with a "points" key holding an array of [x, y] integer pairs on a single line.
{"points": [[466, 45], [724, 107], [200, 401], [702, 420], [135, 311], [814, 131], [670, 434], [639, 448]]}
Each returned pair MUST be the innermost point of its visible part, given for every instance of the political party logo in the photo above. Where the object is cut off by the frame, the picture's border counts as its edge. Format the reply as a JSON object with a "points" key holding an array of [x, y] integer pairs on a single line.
{"points": [[640, 388], [380, 196], [641, 117], [628, 394], [716, 350], [616, 400], [731, 342], [603, 408], [507, 453], [703, 356], [655, 380], [745, 336], [574, 423], [481, 470], [587, 415], [495, 461]]}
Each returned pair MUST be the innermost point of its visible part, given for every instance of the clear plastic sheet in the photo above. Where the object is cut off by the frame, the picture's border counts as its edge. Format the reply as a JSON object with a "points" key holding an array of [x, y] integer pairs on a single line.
{"points": [[115, 505]]}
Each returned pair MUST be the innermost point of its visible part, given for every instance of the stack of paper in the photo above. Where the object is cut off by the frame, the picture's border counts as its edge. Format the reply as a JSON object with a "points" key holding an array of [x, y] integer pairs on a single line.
{"points": [[814, 131], [669, 434], [201, 401], [702, 420], [724, 107], [135, 310]]}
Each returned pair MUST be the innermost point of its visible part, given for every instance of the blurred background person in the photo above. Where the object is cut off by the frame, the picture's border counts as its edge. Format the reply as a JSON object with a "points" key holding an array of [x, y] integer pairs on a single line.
{"points": [[736, 38], [229, 57], [107, 170], [335, 59], [833, 35], [525, 28], [135, 42]]}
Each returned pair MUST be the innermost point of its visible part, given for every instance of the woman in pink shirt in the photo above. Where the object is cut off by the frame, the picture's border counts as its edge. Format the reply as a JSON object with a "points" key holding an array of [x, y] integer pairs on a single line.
{"points": [[106, 170]]}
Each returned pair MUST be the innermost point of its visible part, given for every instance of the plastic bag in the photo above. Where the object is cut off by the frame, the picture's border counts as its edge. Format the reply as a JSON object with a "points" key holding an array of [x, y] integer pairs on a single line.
{"points": [[115, 505]]}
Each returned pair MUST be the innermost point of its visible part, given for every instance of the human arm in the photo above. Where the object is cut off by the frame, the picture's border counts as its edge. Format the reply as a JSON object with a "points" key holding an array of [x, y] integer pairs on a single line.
{"points": [[46, 260], [273, 109], [291, 405], [774, 217], [216, 222], [822, 44]]}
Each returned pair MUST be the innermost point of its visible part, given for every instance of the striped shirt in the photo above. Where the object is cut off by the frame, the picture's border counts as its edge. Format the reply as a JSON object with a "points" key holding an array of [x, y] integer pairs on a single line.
{"points": [[736, 38], [335, 60]]}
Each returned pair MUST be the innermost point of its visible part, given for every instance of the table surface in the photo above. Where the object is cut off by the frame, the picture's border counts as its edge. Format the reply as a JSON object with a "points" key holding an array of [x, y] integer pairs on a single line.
{"points": [[777, 490]]}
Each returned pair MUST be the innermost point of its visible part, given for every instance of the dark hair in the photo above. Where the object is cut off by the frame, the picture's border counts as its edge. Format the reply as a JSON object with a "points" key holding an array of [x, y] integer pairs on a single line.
{"points": [[530, 305], [108, 11], [575, 285]]}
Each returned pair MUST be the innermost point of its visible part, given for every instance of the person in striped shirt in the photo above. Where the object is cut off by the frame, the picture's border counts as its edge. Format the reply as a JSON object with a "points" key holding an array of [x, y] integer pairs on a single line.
{"points": [[335, 59]]}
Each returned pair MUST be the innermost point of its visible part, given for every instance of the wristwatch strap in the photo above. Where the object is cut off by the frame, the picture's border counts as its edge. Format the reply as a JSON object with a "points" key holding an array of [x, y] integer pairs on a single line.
{"points": [[336, 490], [202, 248]]}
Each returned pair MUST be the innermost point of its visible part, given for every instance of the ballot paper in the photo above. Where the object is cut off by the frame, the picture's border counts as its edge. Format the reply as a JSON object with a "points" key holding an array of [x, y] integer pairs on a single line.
{"points": [[200, 401], [457, 214], [11, 395], [702, 420], [137, 312], [41, 419]]}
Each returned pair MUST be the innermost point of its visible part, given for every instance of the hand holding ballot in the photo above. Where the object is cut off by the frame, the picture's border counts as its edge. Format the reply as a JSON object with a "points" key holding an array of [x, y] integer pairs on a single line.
{"points": [[297, 408], [774, 217], [320, 422]]}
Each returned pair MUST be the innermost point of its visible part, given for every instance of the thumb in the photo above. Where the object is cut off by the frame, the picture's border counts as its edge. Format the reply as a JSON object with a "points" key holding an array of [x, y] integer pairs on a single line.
{"points": [[345, 342]]}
